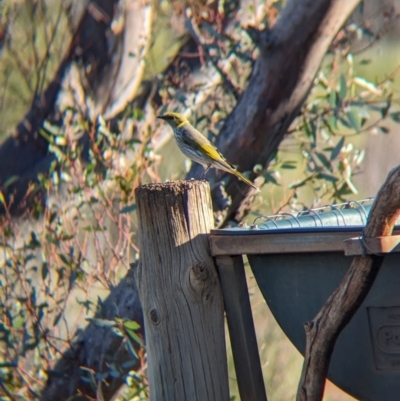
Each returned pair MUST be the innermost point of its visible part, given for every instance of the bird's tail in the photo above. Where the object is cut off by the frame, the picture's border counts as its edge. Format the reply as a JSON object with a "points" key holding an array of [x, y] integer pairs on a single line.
{"points": [[243, 178]]}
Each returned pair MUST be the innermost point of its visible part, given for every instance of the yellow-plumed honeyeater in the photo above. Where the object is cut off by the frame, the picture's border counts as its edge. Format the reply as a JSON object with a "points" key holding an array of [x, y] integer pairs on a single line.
{"points": [[198, 148]]}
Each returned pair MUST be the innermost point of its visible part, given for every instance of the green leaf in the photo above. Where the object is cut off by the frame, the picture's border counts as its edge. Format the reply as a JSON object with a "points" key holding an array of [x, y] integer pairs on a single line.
{"points": [[270, 178], [363, 83], [310, 130], [332, 99], [52, 129], [45, 270], [395, 116], [2, 199], [323, 159], [327, 177], [336, 150], [101, 120], [133, 141], [342, 87], [127, 365], [380, 130], [351, 185], [331, 123], [384, 110], [134, 336], [10, 181], [354, 120], [131, 325], [101, 322], [64, 259], [131, 348], [300, 183], [345, 122], [57, 318], [128, 209], [138, 114], [288, 166]]}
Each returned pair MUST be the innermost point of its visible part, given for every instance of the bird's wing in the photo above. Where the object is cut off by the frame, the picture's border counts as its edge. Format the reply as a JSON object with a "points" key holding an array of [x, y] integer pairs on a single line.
{"points": [[198, 141]]}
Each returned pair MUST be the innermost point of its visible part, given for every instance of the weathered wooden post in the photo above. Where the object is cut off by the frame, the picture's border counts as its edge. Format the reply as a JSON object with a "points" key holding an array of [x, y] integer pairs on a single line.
{"points": [[180, 293]]}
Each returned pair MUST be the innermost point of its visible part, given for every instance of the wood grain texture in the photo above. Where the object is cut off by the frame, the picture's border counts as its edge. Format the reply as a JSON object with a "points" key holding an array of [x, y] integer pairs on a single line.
{"points": [[368, 246], [271, 243], [323, 331], [278, 243], [180, 293], [251, 134]]}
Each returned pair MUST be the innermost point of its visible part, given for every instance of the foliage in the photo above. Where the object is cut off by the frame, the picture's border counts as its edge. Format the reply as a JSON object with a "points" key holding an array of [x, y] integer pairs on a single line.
{"points": [[59, 263], [33, 39], [54, 267]]}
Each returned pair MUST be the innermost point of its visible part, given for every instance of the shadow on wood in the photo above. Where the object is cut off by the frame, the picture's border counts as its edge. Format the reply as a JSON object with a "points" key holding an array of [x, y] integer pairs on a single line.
{"points": [[180, 293]]}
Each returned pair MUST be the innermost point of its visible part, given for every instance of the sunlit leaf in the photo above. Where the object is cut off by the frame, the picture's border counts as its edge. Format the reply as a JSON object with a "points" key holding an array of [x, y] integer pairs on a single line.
{"points": [[342, 87], [351, 185], [134, 336], [354, 120], [332, 99], [367, 85], [131, 325], [331, 123], [2, 200], [132, 350], [10, 181]]}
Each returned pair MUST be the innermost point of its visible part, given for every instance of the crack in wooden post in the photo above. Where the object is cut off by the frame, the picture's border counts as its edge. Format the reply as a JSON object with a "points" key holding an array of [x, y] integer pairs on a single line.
{"points": [[180, 293]]}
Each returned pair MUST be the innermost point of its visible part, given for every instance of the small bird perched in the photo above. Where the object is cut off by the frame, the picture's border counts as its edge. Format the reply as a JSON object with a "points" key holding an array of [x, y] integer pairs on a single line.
{"points": [[198, 148]]}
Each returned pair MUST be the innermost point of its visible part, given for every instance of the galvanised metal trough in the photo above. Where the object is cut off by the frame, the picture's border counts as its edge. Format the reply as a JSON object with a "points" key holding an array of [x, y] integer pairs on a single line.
{"points": [[298, 261]]}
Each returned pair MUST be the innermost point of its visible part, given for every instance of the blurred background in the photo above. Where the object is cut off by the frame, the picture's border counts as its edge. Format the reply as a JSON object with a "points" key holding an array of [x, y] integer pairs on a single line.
{"points": [[81, 85]]}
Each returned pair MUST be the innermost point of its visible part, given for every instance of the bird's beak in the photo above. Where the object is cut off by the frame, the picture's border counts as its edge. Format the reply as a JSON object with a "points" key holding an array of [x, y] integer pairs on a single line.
{"points": [[160, 117]]}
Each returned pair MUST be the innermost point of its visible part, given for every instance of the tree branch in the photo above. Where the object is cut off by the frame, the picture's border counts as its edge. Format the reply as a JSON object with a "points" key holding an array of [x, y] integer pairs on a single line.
{"points": [[290, 55], [323, 331], [25, 153], [96, 348]]}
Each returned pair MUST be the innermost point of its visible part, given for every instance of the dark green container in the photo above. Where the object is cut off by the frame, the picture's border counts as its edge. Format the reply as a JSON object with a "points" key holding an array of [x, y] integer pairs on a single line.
{"points": [[366, 358]]}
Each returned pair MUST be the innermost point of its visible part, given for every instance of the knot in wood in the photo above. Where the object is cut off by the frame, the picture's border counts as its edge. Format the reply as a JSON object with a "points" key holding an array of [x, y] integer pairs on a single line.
{"points": [[201, 281], [199, 272], [154, 316]]}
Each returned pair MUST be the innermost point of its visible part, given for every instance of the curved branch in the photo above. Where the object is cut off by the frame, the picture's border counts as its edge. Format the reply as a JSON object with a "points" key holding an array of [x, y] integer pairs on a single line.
{"points": [[24, 154], [290, 55], [324, 329]]}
